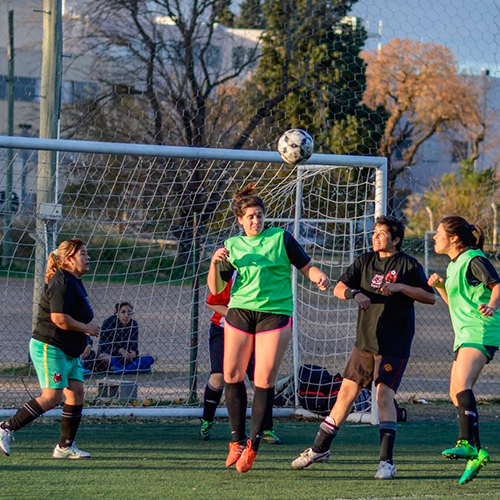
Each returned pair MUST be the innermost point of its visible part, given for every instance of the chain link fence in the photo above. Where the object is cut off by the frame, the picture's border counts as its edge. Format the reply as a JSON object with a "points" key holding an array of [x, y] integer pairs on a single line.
{"points": [[416, 82]]}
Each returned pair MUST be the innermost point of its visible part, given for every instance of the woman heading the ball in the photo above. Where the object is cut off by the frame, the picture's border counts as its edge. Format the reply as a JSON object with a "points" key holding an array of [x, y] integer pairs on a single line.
{"points": [[472, 293], [259, 315]]}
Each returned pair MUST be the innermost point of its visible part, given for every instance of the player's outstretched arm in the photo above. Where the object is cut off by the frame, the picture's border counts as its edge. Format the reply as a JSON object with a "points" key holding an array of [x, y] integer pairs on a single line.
{"points": [[214, 281], [438, 283], [317, 276]]}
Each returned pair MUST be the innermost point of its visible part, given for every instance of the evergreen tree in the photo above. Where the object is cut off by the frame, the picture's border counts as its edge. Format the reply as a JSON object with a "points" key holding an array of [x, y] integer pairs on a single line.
{"points": [[223, 12], [251, 15], [310, 46]]}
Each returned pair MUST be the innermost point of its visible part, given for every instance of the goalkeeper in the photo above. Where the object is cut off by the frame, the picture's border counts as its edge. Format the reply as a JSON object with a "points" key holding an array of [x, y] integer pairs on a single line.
{"points": [[384, 284], [259, 315], [472, 293], [215, 386]]}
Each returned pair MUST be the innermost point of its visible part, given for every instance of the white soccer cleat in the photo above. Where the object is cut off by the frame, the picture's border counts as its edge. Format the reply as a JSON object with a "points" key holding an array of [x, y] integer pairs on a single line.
{"points": [[385, 470], [72, 452], [5, 438], [309, 457]]}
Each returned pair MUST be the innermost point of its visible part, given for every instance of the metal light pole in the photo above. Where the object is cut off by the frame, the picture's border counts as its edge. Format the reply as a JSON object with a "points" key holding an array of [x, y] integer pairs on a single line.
{"points": [[50, 104], [495, 224], [25, 128], [431, 218], [7, 208]]}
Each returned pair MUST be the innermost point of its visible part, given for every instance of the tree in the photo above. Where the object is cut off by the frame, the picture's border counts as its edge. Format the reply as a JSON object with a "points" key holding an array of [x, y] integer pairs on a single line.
{"points": [[466, 192], [224, 15], [251, 15], [167, 56], [422, 90], [312, 74]]}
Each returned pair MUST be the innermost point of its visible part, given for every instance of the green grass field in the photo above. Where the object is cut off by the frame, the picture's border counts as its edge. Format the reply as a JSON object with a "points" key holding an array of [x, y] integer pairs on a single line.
{"points": [[158, 459]]}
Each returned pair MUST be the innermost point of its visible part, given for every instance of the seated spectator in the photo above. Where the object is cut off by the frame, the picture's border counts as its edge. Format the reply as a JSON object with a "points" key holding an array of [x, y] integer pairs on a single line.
{"points": [[90, 362], [119, 342]]}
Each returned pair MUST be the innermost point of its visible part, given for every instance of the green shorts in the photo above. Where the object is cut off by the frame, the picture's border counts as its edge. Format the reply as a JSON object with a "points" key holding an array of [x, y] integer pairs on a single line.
{"points": [[53, 367]]}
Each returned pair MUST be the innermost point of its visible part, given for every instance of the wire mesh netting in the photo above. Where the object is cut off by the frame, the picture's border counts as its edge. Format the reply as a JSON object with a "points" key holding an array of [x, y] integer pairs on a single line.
{"points": [[151, 225], [413, 81]]}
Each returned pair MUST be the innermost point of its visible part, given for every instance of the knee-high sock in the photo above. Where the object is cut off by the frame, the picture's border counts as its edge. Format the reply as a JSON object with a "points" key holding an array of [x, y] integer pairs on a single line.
{"points": [[24, 416], [211, 400], [262, 400], [468, 420], [267, 425], [326, 432], [236, 402], [70, 421], [387, 431]]}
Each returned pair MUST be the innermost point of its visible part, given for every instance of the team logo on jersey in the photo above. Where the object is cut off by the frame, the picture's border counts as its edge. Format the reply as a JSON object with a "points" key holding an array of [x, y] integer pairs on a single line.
{"points": [[391, 276], [388, 368], [57, 377], [377, 281]]}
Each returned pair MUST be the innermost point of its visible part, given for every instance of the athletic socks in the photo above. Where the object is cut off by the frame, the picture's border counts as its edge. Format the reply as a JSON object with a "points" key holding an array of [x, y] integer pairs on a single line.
{"points": [[211, 400], [24, 416], [327, 431], [387, 431], [236, 402], [70, 421], [468, 418], [267, 425], [263, 400]]}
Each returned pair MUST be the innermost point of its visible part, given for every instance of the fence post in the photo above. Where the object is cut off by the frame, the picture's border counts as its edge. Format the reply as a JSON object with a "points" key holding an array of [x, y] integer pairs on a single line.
{"points": [[193, 344], [50, 103]]}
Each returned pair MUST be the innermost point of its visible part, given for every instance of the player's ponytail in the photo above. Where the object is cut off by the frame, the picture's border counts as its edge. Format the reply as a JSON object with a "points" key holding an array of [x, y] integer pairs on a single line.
{"points": [[246, 197], [469, 235], [57, 258]]}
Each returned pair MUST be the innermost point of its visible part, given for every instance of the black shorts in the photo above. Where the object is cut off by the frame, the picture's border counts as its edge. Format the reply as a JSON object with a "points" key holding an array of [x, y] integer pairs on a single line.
{"points": [[365, 367], [488, 350], [216, 347], [256, 322]]}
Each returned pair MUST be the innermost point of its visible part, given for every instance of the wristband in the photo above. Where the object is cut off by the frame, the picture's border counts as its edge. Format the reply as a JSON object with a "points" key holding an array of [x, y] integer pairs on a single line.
{"points": [[350, 294]]}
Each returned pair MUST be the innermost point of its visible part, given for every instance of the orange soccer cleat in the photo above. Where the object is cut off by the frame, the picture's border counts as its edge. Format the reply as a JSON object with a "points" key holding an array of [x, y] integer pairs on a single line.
{"points": [[235, 452], [245, 462]]}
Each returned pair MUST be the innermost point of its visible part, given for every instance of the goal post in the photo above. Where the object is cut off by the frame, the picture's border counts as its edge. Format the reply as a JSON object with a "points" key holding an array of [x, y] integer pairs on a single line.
{"points": [[152, 217]]}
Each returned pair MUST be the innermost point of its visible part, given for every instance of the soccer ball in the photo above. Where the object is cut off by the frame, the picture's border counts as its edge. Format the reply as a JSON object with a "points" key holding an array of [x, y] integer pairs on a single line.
{"points": [[295, 146]]}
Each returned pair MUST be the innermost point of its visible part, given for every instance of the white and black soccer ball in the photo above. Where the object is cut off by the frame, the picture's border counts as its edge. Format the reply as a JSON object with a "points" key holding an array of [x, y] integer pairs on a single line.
{"points": [[295, 146]]}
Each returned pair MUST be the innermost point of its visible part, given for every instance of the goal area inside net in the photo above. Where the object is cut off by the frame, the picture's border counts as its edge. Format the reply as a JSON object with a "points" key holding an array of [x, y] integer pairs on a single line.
{"points": [[152, 216]]}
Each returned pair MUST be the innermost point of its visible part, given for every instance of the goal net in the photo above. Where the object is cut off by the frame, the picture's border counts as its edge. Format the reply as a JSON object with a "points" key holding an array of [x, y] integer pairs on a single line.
{"points": [[152, 217]]}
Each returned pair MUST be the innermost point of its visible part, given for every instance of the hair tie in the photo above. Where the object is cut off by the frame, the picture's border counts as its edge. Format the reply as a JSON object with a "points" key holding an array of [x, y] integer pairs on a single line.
{"points": [[472, 227]]}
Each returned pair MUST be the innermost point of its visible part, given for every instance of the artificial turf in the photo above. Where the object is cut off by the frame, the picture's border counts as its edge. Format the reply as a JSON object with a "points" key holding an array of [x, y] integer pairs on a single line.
{"points": [[158, 459]]}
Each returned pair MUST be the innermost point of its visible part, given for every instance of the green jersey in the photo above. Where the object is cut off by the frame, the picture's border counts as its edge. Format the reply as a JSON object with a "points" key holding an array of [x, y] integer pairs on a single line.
{"points": [[263, 282], [468, 323]]}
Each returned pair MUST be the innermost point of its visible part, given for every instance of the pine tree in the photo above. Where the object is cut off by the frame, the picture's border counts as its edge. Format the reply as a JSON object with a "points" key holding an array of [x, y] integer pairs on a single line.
{"points": [[251, 15], [224, 14], [310, 46]]}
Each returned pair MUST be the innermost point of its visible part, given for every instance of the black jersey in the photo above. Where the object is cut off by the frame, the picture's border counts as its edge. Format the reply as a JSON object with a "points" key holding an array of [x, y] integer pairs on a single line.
{"points": [[63, 294], [388, 326]]}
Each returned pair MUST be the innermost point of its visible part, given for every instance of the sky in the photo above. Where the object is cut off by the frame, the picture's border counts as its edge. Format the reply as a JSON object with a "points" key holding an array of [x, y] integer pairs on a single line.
{"points": [[470, 28]]}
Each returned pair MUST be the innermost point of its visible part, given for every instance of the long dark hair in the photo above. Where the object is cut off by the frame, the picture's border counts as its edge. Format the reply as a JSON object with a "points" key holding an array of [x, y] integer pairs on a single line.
{"points": [[119, 305], [469, 235], [246, 197]]}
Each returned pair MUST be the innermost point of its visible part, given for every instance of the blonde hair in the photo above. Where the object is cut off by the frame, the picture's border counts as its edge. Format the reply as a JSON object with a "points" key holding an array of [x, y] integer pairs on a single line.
{"points": [[57, 258]]}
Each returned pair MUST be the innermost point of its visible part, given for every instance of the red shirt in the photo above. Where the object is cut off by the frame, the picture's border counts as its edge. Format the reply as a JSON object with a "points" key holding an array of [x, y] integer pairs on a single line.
{"points": [[221, 299]]}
